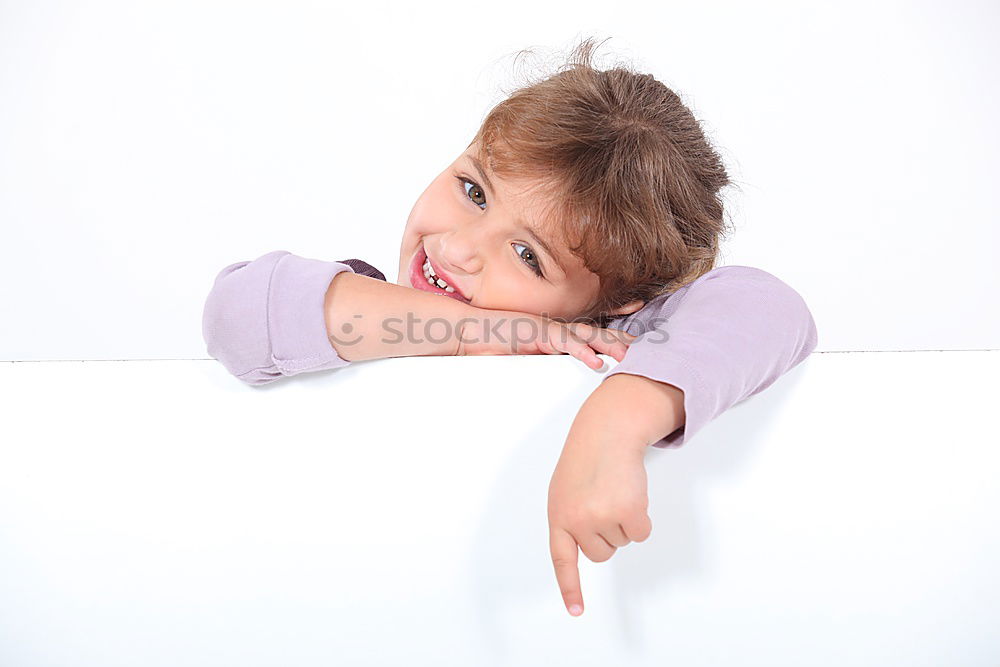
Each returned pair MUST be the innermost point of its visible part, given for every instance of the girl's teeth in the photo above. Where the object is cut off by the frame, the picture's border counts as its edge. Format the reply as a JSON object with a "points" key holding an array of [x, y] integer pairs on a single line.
{"points": [[437, 282]]}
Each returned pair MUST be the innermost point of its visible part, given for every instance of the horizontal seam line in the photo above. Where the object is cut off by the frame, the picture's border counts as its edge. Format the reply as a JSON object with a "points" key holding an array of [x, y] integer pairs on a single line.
{"points": [[38, 361]]}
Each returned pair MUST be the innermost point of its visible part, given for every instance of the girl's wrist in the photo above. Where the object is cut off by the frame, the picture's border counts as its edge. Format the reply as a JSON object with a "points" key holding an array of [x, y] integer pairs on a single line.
{"points": [[486, 331]]}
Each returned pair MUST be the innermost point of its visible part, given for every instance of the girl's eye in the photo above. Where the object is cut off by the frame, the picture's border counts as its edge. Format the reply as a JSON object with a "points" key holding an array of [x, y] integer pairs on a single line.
{"points": [[475, 187], [528, 256]]}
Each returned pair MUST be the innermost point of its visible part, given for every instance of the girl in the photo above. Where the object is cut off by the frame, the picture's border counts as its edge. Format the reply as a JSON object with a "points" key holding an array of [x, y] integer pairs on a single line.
{"points": [[583, 218]]}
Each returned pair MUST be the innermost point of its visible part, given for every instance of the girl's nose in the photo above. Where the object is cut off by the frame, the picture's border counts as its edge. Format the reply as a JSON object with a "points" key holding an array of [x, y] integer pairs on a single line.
{"points": [[461, 249]]}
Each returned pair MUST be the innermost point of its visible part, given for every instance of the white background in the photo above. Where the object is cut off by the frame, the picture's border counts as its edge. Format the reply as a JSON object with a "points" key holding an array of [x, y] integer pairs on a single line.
{"points": [[844, 516], [144, 146]]}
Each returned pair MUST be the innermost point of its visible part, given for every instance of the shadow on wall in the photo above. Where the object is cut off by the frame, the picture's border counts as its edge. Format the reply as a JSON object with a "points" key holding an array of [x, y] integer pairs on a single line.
{"points": [[513, 537]]}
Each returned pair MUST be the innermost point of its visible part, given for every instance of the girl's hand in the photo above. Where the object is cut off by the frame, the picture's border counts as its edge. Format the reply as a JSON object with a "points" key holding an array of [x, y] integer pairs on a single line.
{"points": [[598, 493], [597, 502], [510, 332]]}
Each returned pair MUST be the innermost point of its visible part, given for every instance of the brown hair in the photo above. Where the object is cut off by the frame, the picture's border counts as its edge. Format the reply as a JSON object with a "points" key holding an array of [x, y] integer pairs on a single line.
{"points": [[630, 181]]}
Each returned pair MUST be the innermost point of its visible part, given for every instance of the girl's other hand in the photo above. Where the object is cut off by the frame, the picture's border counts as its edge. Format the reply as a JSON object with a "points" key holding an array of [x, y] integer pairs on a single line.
{"points": [[598, 500], [510, 332]]}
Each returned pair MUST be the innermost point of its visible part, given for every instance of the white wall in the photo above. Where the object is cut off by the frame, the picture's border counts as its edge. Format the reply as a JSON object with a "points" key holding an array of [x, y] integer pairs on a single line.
{"points": [[159, 510], [145, 146]]}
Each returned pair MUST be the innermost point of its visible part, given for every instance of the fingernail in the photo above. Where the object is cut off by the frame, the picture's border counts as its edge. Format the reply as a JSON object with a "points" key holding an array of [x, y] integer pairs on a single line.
{"points": [[576, 610]]}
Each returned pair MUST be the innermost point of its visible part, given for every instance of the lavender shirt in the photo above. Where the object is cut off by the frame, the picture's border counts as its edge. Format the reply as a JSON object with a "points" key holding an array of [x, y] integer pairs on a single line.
{"points": [[721, 339]]}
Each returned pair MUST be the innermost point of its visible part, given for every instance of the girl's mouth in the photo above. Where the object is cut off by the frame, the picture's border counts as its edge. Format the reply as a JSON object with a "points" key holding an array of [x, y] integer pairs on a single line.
{"points": [[420, 281]]}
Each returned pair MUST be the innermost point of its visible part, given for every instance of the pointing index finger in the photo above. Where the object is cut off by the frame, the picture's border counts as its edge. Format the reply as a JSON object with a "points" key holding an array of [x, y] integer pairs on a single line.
{"points": [[564, 559]]}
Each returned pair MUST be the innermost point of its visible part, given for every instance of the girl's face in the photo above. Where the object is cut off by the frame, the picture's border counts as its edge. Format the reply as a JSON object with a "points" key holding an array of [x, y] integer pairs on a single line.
{"points": [[483, 239]]}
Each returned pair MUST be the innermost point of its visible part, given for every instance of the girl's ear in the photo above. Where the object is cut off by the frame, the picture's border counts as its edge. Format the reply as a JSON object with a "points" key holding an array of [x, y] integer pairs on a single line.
{"points": [[629, 308]]}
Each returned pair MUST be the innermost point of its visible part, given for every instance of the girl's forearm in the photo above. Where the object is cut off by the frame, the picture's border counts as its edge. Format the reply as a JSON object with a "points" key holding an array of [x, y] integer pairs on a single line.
{"points": [[367, 318], [647, 409]]}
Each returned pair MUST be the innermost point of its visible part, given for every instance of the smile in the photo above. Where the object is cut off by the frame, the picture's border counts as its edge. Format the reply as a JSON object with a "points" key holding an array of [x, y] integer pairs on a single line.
{"points": [[424, 276]]}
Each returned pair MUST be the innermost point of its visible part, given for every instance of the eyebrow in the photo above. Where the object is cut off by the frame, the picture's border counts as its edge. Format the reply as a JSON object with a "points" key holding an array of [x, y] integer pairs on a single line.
{"points": [[531, 232], [482, 172]]}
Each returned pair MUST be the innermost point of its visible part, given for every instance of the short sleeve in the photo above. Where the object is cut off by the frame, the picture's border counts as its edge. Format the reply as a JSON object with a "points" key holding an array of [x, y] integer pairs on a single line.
{"points": [[264, 319], [721, 339]]}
